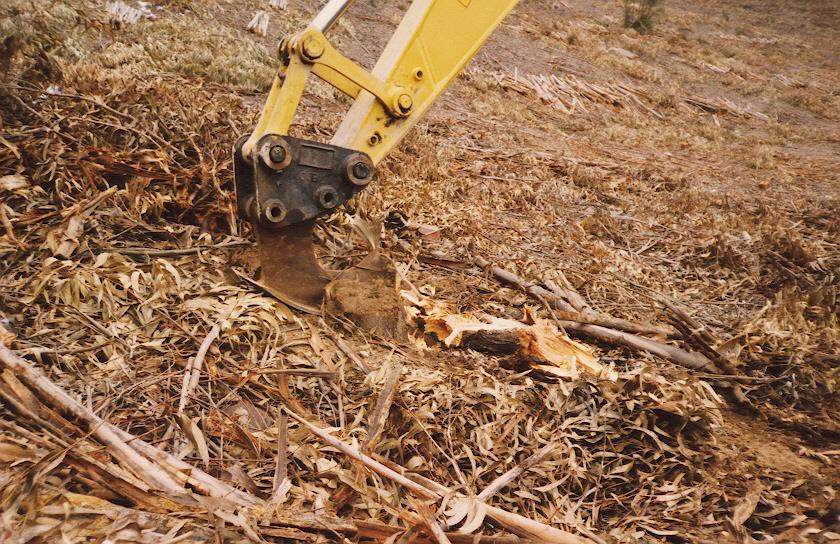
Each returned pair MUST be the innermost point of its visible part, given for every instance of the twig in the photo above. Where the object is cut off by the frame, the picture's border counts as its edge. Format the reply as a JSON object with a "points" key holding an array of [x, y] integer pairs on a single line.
{"points": [[192, 371], [499, 483], [142, 467], [538, 530], [383, 405]]}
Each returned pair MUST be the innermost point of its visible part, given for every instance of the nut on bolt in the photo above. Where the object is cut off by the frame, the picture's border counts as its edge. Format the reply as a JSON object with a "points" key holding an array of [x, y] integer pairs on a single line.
{"points": [[274, 151], [312, 47], [277, 153], [359, 169], [404, 103]]}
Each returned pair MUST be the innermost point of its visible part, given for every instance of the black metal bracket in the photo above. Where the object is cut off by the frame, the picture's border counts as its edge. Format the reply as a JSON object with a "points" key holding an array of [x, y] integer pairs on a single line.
{"points": [[289, 180]]}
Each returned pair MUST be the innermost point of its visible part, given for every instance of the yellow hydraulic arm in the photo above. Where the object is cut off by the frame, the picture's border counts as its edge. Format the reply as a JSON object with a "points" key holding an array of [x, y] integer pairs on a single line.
{"points": [[432, 44], [283, 183]]}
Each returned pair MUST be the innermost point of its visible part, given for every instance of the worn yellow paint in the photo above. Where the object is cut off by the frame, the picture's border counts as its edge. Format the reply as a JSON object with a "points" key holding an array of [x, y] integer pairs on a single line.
{"points": [[431, 45], [283, 99], [436, 37]]}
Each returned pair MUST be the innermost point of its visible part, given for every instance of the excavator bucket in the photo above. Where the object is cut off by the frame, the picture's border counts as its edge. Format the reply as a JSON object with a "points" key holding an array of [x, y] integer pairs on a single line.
{"points": [[365, 294], [281, 188], [290, 271]]}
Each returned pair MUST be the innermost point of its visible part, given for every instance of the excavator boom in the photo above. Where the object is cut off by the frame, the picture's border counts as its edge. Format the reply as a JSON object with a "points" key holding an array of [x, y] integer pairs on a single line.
{"points": [[283, 183]]}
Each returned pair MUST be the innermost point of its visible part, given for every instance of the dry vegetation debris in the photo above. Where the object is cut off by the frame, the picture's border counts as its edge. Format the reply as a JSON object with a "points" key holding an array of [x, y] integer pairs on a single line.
{"points": [[151, 394]]}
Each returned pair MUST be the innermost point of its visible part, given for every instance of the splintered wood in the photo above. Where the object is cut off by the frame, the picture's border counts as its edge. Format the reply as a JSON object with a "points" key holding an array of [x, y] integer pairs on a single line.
{"points": [[539, 343]]}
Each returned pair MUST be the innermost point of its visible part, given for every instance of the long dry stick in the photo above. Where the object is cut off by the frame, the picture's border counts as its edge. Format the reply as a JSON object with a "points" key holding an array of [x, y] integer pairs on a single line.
{"points": [[570, 303], [694, 329], [538, 530], [688, 359], [142, 467]]}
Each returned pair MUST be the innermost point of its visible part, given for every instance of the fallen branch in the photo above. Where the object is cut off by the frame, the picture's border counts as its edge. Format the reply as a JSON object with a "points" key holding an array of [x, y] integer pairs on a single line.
{"points": [[511, 520], [142, 467], [569, 303], [694, 330], [688, 359]]}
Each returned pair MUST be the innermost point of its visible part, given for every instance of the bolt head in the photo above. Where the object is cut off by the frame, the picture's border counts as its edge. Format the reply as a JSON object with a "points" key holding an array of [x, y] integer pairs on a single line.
{"points": [[405, 102], [277, 153], [361, 170], [358, 169], [313, 48]]}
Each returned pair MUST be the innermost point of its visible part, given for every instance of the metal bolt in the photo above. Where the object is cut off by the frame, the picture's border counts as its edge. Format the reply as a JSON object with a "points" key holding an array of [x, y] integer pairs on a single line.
{"points": [[277, 154], [358, 168], [312, 47], [405, 102], [274, 151], [361, 170]]}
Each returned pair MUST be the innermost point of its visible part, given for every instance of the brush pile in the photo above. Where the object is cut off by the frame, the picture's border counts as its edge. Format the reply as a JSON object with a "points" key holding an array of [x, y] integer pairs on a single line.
{"points": [[151, 393]]}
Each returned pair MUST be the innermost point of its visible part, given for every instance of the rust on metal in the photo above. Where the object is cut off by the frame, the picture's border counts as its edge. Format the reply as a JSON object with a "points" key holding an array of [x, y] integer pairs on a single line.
{"points": [[290, 270]]}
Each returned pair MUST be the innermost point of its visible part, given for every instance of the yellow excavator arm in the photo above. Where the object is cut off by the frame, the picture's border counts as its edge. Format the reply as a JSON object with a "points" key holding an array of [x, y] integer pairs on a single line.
{"points": [[283, 183]]}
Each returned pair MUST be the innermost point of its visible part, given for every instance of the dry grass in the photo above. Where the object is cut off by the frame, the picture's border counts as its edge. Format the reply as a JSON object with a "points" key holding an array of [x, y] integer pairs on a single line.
{"points": [[184, 44]]}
